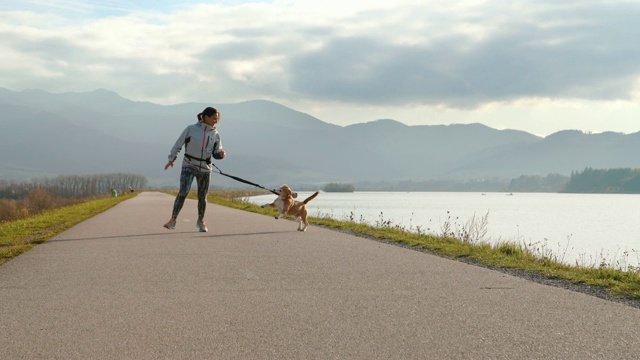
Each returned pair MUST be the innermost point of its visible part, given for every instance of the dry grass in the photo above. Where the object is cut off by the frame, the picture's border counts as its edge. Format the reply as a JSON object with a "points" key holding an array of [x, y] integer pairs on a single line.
{"points": [[18, 236]]}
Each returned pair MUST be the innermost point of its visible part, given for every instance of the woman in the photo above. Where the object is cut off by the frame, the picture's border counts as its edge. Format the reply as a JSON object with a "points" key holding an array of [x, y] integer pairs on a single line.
{"points": [[201, 142]]}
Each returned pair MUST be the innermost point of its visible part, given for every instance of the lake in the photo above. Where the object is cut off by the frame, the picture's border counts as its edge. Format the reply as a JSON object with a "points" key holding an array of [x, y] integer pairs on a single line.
{"points": [[577, 229]]}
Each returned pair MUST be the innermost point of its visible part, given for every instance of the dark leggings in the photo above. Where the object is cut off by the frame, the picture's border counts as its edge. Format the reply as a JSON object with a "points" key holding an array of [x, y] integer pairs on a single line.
{"points": [[186, 179]]}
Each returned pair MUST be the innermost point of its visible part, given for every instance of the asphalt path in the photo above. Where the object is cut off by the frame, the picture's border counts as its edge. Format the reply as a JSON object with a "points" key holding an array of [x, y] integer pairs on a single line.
{"points": [[120, 286]]}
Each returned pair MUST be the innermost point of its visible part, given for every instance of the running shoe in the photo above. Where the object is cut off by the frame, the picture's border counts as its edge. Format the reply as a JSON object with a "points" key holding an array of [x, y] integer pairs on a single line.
{"points": [[171, 224], [202, 226]]}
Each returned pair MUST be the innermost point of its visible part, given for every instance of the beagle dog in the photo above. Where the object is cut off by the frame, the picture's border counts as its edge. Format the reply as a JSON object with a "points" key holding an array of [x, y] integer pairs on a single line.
{"points": [[286, 205]]}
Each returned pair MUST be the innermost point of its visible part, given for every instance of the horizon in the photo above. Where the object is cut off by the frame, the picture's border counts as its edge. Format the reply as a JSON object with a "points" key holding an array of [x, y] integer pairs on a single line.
{"points": [[341, 125]]}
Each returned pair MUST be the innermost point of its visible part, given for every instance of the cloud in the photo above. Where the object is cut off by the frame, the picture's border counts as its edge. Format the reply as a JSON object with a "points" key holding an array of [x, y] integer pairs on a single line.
{"points": [[462, 54], [571, 52]]}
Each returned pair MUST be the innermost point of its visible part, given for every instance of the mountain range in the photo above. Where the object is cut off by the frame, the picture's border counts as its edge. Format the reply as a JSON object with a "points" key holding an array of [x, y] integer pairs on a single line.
{"points": [[44, 135]]}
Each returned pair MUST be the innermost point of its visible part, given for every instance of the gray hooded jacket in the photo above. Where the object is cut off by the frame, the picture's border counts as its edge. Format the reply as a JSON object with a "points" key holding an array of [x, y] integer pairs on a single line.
{"points": [[201, 142]]}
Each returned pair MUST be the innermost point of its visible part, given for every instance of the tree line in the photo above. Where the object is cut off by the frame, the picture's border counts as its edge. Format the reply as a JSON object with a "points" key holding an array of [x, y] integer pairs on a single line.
{"points": [[21, 200], [622, 181], [78, 186], [339, 187], [537, 183]]}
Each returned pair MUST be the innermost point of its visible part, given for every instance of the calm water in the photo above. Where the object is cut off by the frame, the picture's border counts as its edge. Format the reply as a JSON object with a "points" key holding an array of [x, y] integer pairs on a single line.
{"points": [[576, 228]]}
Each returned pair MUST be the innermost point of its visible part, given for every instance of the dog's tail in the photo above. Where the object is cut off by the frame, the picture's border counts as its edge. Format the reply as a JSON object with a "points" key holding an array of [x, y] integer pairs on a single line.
{"points": [[313, 196]]}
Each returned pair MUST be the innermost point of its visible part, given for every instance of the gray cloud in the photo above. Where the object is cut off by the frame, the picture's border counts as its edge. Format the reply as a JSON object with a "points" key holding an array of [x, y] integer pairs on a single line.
{"points": [[589, 53], [461, 57]]}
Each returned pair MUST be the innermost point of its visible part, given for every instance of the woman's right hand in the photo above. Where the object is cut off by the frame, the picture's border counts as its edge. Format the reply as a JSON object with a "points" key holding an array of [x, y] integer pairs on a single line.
{"points": [[169, 164]]}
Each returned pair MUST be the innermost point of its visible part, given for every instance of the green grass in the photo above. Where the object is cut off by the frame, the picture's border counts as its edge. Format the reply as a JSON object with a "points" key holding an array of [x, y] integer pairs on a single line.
{"points": [[460, 245], [17, 237]]}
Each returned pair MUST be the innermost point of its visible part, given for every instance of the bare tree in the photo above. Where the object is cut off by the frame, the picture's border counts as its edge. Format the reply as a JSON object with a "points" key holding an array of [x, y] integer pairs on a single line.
{"points": [[76, 186]]}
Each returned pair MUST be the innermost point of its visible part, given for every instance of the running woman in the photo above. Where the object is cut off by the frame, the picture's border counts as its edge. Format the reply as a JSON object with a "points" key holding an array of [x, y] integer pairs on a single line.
{"points": [[201, 142]]}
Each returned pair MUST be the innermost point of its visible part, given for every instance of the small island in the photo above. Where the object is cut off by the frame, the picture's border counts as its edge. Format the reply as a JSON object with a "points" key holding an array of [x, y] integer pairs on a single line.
{"points": [[339, 187]]}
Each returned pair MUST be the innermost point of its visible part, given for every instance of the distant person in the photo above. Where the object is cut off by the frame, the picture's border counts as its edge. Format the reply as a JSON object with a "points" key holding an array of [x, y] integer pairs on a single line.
{"points": [[201, 142]]}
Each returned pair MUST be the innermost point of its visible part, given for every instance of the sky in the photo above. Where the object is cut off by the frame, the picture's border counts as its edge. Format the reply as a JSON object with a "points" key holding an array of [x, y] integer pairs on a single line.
{"points": [[540, 66]]}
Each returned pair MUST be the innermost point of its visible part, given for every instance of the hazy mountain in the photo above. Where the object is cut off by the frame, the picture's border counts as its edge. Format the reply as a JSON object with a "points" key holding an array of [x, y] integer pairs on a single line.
{"points": [[37, 143], [43, 134]]}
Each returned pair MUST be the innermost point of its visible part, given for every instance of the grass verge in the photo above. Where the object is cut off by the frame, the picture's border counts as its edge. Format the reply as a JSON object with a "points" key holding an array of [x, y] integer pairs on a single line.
{"points": [[458, 245], [17, 237]]}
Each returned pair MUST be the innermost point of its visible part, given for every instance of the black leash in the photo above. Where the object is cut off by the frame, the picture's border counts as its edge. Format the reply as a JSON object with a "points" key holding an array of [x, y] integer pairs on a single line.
{"points": [[243, 180]]}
